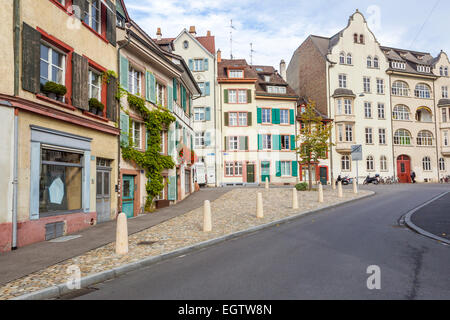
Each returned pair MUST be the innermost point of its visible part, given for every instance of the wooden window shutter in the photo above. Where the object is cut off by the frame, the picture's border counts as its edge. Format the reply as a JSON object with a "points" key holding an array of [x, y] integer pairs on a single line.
{"points": [[170, 98], [207, 88], [226, 119], [294, 169], [152, 87], [111, 101], [226, 144], [276, 116], [278, 168], [259, 115], [124, 69], [205, 65], [80, 82], [249, 96], [191, 64], [249, 119], [171, 144], [175, 91], [246, 143], [293, 142], [111, 23], [242, 146], [207, 139], [207, 113], [124, 129], [276, 142], [172, 192], [291, 116], [260, 142], [31, 43], [225, 96]]}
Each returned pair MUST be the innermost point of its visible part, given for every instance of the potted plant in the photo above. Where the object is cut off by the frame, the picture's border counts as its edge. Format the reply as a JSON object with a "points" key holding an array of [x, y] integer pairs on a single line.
{"points": [[54, 90], [96, 107]]}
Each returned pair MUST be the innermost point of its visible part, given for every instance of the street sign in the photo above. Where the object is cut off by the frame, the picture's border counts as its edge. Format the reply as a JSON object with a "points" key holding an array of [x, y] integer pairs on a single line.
{"points": [[357, 152]]}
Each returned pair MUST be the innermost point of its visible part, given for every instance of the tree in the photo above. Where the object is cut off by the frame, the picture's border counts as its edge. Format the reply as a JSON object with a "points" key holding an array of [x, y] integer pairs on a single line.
{"points": [[314, 138]]}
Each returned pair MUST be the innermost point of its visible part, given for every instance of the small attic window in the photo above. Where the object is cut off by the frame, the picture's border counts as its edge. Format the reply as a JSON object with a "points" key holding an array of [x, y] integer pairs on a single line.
{"points": [[186, 44], [235, 74], [361, 38], [267, 78], [259, 69]]}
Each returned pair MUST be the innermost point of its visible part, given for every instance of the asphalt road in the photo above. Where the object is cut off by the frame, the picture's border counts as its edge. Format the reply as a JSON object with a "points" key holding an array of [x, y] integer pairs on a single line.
{"points": [[322, 256]]}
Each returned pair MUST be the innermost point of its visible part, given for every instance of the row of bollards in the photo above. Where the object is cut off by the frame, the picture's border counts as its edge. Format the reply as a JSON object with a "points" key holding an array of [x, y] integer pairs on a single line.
{"points": [[122, 228]]}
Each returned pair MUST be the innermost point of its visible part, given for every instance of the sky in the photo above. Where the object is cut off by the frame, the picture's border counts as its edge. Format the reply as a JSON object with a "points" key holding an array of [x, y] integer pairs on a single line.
{"points": [[276, 28]]}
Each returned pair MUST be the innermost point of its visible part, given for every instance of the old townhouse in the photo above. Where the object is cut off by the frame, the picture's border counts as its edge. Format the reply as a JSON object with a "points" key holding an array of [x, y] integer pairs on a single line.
{"points": [[346, 76], [413, 114], [258, 121], [160, 80], [60, 113], [199, 53], [442, 101]]}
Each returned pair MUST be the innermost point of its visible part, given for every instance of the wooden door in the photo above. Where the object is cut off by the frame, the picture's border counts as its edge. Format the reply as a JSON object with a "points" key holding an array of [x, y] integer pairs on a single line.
{"points": [[250, 173], [128, 196], [404, 169]]}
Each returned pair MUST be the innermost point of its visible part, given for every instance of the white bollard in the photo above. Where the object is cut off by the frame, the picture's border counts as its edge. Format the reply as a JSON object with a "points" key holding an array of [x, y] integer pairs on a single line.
{"points": [[355, 187], [320, 193], [122, 234], [207, 222], [267, 183], [294, 199], [259, 206], [340, 192], [333, 184]]}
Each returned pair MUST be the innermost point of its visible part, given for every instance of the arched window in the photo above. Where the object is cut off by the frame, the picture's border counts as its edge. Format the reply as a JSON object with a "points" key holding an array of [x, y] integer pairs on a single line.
{"points": [[441, 71], [376, 63], [401, 112], [424, 114], [342, 58], [361, 39], [383, 163], [442, 164], [349, 58], [446, 71], [402, 137], [425, 138], [355, 38], [345, 163], [426, 162], [369, 62], [422, 91], [370, 163], [400, 88]]}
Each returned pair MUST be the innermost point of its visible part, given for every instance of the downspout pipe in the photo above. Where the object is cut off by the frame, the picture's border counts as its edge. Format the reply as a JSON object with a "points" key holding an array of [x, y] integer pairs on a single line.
{"points": [[16, 26], [127, 36]]}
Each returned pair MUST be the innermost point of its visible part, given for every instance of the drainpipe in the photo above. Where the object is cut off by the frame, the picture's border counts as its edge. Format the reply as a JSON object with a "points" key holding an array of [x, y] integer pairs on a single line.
{"points": [[215, 123], [328, 65], [15, 179], [436, 119], [127, 36], [16, 23], [394, 160]]}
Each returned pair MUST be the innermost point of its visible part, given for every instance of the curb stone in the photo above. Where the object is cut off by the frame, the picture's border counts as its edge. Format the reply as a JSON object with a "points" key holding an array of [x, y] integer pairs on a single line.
{"points": [[419, 230], [61, 289]]}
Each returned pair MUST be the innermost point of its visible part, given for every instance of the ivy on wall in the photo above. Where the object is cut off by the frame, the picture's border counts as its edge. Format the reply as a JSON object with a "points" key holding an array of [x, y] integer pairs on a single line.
{"points": [[152, 161]]}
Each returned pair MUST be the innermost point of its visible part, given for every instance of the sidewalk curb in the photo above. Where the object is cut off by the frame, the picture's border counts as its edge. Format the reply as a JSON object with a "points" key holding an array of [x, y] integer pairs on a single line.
{"points": [[61, 289], [419, 230]]}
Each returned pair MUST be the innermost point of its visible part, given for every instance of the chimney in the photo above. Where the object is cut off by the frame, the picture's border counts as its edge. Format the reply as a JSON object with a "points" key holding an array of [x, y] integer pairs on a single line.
{"points": [[219, 56], [283, 69], [208, 33], [158, 34], [192, 31]]}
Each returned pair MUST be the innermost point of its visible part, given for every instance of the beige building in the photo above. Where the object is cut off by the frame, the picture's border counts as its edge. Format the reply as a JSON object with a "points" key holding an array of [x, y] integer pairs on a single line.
{"points": [[65, 149], [258, 121]]}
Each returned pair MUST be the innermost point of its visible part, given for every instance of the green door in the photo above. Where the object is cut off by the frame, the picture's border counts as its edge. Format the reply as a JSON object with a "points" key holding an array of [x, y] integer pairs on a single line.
{"points": [[250, 173], [265, 171], [323, 176], [128, 196]]}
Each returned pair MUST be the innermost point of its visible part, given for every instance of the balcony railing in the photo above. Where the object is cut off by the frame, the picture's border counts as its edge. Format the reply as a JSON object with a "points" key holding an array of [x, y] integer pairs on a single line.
{"points": [[179, 112]]}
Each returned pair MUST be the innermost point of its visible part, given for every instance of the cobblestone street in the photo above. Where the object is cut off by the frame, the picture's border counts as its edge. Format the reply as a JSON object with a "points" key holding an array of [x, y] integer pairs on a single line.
{"points": [[232, 212]]}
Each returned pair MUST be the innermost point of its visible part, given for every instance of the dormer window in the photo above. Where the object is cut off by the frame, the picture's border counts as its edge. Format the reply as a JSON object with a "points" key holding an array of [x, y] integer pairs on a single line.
{"points": [[421, 68], [276, 89], [267, 78], [236, 74], [398, 65]]}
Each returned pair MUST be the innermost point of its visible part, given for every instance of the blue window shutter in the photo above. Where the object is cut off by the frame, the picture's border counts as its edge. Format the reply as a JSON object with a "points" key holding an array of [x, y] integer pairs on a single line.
{"points": [[207, 139], [175, 92], [276, 116], [291, 116], [170, 98], [147, 87], [191, 64], [278, 167], [124, 66], [208, 114], [147, 134], [152, 86], [124, 129], [171, 141], [172, 192], [207, 89], [260, 142], [276, 145], [205, 64], [259, 115], [294, 169], [293, 142]]}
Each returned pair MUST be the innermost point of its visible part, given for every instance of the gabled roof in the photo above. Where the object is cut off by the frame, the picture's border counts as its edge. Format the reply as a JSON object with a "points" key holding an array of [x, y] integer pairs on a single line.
{"points": [[122, 9], [207, 42], [411, 58], [275, 80]]}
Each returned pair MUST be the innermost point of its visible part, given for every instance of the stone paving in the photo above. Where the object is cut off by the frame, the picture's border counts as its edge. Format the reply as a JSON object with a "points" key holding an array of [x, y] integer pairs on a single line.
{"points": [[234, 211]]}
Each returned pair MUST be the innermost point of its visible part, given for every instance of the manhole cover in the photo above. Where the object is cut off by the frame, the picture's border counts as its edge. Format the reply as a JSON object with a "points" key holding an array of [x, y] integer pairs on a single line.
{"points": [[146, 243]]}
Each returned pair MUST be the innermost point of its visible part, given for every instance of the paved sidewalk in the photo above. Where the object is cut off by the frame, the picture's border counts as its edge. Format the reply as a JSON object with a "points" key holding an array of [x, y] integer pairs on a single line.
{"points": [[435, 217], [35, 257]]}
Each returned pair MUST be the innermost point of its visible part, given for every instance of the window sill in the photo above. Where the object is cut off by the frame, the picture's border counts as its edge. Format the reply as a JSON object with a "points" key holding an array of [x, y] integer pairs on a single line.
{"points": [[58, 103], [89, 114]]}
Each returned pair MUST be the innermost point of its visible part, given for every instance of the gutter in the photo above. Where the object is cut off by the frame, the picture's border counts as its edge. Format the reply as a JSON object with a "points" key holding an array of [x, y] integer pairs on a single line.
{"points": [[118, 118]]}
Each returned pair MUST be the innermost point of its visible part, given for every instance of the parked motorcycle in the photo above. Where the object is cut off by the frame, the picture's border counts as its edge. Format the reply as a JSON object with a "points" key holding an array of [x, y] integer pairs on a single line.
{"points": [[344, 180], [375, 180]]}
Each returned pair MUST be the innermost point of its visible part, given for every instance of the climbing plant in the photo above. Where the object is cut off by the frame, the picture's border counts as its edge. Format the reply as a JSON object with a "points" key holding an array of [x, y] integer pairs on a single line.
{"points": [[152, 161]]}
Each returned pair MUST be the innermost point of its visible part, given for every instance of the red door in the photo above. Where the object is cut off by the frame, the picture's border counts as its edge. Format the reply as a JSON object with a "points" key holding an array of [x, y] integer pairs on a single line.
{"points": [[404, 169]]}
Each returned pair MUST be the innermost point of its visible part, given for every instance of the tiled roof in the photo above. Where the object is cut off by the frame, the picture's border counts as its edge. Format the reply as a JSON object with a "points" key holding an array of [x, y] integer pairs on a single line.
{"points": [[275, 80], [226, 64], [341, 92], [208, 42], [411, 59]]}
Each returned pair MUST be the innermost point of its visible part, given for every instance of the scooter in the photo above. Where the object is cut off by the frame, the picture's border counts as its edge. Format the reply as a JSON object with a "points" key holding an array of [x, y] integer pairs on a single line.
{"points": [[345, 180], [375, 180]]}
